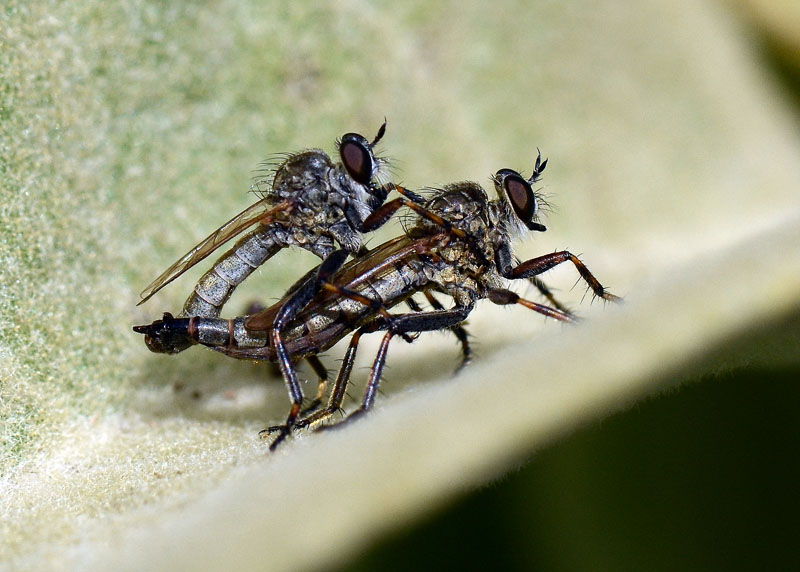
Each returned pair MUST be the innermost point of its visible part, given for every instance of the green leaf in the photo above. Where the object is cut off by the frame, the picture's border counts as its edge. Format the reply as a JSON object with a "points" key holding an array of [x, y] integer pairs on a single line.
{"points": [[129, 132]]}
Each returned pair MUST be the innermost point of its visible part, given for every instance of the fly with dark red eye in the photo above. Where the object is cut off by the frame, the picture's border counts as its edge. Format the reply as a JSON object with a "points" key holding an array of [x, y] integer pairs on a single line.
{"points": [[460, 246], [311, 202]]}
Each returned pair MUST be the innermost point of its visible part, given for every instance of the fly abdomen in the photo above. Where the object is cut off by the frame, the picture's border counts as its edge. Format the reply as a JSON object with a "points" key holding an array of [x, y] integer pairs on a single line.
{"points": [[221, 333], [217, 285], [171, 335]]}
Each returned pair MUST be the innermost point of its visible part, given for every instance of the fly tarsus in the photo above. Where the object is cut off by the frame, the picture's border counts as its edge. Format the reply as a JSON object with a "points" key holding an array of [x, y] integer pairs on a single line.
{"points": [[283, 430]]}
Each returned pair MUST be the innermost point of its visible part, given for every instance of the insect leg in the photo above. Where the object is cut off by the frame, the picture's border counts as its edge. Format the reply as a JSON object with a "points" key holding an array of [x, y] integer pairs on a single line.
{"points": [[414, 305], [374, 377], [503, 297], [401, 324], [458, 330], [322, 372], [547, 293], [372, 385], [404, 323], [426, 321], [340, 386], [540, 264], [296, 302], [384, 213]]}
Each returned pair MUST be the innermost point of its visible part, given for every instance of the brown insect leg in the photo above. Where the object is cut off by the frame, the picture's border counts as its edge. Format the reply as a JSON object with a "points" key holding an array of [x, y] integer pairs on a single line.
{"points": [[296, 302], [379, 216], [339, 387], [548, 294], [504, 297], [543, 263]]}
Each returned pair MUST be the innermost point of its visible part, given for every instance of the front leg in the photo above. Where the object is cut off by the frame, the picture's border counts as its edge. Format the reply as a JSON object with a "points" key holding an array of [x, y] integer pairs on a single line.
{"points": [[540, 264], [382, 214]]}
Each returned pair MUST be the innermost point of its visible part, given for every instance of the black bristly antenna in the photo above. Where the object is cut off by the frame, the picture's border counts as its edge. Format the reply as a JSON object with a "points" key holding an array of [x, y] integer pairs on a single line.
{"points": [[379, 136], [538, 167]]}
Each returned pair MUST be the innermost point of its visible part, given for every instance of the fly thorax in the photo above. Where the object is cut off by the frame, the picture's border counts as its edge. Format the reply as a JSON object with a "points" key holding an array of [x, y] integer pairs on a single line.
{"points": [[302, 173], [347, 192]]}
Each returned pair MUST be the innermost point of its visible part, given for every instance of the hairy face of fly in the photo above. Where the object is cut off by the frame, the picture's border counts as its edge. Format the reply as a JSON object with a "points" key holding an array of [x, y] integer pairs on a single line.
{"points": [[520, 202]]}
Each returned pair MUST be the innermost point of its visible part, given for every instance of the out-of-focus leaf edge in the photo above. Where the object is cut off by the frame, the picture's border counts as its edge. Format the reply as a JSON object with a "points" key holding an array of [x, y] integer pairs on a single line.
{"points": [[456, 434]]}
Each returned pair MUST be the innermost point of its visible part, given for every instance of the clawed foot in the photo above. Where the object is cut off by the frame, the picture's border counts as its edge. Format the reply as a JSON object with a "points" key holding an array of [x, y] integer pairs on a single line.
{"points": [[283, 431], [312, 422]]}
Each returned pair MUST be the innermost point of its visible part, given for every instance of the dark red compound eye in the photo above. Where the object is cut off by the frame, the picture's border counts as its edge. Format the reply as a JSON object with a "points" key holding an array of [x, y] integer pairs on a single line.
{"points": [[357, 158], [521, 196]]}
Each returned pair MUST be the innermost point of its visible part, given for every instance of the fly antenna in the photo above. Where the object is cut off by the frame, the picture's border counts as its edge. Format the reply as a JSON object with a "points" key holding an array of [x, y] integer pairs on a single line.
{"points": [[380, 134], [538, 167]]}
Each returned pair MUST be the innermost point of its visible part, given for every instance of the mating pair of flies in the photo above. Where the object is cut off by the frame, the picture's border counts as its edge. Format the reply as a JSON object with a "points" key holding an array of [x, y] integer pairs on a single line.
{"points": [[457, 243]]}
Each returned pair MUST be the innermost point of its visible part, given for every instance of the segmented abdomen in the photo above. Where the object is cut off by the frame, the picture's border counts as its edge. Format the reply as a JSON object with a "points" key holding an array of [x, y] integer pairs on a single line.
{"points": [[230, 270]]}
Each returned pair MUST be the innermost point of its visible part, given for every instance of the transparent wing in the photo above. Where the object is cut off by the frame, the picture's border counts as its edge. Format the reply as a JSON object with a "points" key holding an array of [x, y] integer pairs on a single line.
{"points": [[376, 263], [256, 213]]}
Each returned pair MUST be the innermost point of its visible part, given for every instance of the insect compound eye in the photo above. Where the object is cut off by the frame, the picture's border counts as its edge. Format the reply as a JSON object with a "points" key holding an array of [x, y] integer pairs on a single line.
{"points": [[357, 157], [519, 194]]}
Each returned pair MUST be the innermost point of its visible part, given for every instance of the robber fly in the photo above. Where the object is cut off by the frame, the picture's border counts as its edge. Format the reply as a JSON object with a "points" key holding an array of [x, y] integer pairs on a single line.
{"points": [[460, 246], [312, 203]]}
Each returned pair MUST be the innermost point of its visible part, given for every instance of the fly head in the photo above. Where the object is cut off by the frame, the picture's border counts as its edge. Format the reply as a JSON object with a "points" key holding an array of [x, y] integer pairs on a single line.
{"points": [[516, 191], [359, 160]]}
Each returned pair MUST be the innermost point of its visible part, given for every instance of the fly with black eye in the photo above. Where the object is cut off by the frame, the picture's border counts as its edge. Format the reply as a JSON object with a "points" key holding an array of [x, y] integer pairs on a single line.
{"points": [[460, 246]]}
